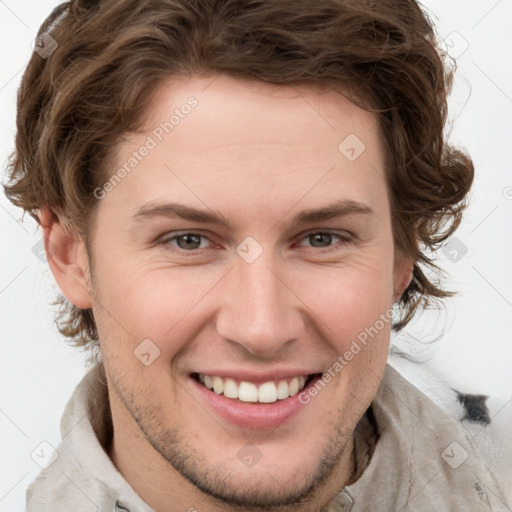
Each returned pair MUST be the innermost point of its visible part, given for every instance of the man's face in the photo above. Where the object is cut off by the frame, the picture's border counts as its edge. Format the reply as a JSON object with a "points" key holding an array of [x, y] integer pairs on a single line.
{"points": [[259, 300]]}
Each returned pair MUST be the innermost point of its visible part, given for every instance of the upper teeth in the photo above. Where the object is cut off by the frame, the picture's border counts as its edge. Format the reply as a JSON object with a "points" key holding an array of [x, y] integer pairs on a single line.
{"points": [[267, 392]]}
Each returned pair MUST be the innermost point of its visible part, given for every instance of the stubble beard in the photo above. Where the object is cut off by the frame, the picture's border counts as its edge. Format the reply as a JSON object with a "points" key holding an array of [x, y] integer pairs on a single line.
{"points": [[187, 461]]}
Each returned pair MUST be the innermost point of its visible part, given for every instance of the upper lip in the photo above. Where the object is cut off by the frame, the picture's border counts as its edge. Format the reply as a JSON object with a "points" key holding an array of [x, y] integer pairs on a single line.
{"points": [[259, 377]]}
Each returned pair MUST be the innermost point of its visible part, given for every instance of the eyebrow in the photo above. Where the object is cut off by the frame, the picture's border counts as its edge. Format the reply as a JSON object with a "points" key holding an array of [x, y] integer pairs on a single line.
{"points": [[335, 210]]}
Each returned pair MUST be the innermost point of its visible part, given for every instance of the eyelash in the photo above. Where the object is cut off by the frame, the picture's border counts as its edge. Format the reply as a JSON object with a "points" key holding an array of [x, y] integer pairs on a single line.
{"points": [[344, 240]]}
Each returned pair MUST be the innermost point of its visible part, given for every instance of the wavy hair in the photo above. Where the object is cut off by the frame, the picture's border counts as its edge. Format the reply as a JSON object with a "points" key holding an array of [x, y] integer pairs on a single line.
{"points": [[74, 106]]}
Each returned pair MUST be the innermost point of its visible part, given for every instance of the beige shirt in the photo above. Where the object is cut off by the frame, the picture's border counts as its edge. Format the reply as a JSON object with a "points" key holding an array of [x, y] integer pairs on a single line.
{"points": [[418, 459]]}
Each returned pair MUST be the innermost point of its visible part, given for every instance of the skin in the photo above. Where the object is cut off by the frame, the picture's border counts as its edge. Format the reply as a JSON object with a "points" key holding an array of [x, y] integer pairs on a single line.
{"points": [[259, 154]]}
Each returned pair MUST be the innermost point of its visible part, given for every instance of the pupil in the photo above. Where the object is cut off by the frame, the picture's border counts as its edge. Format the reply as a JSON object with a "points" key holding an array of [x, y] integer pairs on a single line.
{"points": [[326, 237], [189, 239]]}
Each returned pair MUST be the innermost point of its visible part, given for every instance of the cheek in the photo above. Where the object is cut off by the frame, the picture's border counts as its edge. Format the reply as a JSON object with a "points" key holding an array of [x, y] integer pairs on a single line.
{"points": [[150, 301], [348, 298]]}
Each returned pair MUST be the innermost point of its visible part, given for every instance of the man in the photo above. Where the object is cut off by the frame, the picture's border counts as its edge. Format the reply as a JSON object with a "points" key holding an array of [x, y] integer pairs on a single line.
{"points": [[235, 198]]}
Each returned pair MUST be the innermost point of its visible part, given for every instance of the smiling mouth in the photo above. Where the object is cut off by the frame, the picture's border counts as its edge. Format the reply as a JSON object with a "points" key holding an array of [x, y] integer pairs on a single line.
{"points": [[265, 392]]}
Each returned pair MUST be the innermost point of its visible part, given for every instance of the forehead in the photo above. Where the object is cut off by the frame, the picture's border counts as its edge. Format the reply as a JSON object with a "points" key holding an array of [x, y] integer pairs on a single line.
{"points": [[212, 137], [255, 112]]}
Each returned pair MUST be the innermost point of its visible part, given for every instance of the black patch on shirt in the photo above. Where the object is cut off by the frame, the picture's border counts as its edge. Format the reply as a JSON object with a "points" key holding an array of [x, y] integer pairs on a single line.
{"points": [[475, 408]]}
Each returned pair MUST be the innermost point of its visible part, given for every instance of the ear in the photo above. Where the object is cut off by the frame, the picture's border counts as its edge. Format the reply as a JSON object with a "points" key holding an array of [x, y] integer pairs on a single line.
{"points": [[67, 257], [403, 275]]}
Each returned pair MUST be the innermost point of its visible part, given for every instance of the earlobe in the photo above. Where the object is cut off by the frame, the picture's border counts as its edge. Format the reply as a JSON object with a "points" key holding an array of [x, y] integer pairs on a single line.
{"points": [[403, 278], [67, 257]]}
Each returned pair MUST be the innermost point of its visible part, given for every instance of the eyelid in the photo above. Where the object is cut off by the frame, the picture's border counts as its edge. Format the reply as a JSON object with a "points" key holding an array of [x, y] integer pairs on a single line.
{"points": [[337, 232]]}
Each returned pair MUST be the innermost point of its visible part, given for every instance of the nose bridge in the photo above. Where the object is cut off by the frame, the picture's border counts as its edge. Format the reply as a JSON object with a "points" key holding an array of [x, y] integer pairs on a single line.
{"points": [[258, 307]]}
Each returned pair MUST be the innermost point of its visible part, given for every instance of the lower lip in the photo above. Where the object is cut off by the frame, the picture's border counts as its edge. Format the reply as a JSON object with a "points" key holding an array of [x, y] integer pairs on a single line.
{"points": [[249, 414]]}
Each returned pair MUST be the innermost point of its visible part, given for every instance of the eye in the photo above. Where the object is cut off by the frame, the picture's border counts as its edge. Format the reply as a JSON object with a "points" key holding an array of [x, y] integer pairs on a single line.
{"points": [[185, 241], [192, 242], [324, 239]]}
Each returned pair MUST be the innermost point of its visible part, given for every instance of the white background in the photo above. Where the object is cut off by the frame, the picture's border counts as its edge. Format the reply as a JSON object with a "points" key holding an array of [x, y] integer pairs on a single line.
{"points": [[39, 371]]}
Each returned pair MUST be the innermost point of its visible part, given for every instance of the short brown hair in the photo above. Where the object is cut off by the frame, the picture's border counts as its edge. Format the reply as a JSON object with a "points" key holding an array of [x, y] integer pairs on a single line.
{"points": [[74, 106]]}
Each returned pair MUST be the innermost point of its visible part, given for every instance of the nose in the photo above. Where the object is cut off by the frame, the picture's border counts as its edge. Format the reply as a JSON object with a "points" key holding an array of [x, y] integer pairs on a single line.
{"points": [[260, 312]]}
